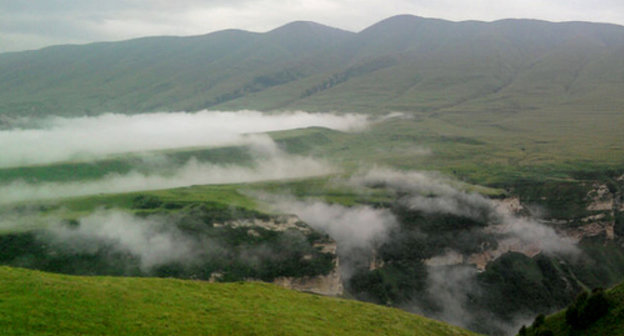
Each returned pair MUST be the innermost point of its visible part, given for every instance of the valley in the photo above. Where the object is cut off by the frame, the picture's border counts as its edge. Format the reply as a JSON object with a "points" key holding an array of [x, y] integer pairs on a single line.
{"points": [[470, 172]]}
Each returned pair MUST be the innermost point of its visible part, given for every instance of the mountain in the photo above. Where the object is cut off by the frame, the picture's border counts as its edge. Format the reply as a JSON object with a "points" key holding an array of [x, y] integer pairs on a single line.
{"points": [[37, 303], [403, 63]]}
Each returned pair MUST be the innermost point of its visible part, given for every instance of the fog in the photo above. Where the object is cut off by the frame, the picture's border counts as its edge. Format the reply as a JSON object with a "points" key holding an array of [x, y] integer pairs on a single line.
{"points": [[452, 287], [270, 164], [358, 230], [433, 193], [351, 227], [153, 240], [60, 139]]}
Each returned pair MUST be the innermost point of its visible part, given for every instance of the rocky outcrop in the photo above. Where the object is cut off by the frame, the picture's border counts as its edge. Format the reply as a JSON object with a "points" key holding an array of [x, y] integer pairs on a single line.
{"points": [[449, 258], [274, 223], [603, 206], [601, 199], [330, 284]]}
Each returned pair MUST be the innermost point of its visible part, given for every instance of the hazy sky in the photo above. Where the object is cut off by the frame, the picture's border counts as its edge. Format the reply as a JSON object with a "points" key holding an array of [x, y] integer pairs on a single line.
{"points": [[34, 24]]}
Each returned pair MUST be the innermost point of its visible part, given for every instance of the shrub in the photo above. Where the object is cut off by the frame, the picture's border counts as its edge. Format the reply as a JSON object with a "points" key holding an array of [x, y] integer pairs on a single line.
{"points": [[619, 224], [545, 332], [539, 320], [146, 202], [587, 309], [522, 331]]}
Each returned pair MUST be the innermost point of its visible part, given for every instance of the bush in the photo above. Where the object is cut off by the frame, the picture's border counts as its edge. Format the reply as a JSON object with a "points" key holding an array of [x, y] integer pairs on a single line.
{"points": [[146, 202], [545, 332], [587, 309], [597, 307], [619, 224], [522, 331], [539, 321]]}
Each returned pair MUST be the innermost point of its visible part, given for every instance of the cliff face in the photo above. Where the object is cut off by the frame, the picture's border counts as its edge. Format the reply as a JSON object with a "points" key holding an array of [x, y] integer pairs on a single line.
{"points": [[197, 242], [603, 208], [326, 284], [603, 205], [330, 284]]}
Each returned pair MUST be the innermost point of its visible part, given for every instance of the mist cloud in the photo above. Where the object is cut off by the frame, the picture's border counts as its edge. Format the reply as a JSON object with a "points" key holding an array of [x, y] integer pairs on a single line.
{"points": [[450, 288], [432, 193], [61, 139], [270, 164], [351, 227], [152, 240]]}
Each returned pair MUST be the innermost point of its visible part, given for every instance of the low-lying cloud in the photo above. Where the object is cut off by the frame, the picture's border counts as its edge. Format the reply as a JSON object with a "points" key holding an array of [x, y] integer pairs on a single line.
{"points": [[270, 164], [432, 193], [152, 240], [357, 230], [351, 227], [451, 287], [60, 139]]}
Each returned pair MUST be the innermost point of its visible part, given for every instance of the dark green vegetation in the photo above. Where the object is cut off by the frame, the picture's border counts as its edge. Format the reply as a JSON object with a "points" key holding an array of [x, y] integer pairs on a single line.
{"points": [[400, 278], [513, 285], [587, 309], [529, 286], [598, 312], [36, 303], [217, 241]]}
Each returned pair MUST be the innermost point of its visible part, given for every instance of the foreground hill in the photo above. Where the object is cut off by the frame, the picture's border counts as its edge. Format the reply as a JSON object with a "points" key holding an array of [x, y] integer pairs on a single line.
{"points": [[610, 324], [37, 303], [403, 63]]}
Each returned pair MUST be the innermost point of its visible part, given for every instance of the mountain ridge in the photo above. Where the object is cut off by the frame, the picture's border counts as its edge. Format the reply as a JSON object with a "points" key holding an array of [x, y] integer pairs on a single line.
{"points": [[403, 63]]}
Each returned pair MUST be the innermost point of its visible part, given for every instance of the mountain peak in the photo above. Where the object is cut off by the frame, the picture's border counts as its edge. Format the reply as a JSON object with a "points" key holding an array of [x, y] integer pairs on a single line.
{"points": [[306, 36], [404, 22], [306, 27]]}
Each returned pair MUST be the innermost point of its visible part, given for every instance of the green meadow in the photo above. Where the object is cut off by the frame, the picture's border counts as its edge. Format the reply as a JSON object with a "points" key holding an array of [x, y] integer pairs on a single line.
{"points": [[37, 303]]}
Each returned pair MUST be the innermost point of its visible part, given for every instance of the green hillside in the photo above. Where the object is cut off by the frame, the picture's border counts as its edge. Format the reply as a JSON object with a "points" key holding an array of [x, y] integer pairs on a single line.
{"points": [[512, 108], [523, 98], [484, 154], [404, 63], [609, 324], [36, 303]]}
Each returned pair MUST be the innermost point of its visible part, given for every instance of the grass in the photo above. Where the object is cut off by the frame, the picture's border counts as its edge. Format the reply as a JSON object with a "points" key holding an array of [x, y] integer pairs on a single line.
{"points": [[160, 161], [475, 148], [493, 102], [74, 207], [472, 147], [330, 189], [37, 303]]}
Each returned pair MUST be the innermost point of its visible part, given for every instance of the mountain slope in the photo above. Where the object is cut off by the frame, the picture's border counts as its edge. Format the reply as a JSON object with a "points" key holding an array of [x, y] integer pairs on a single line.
{"points": [[403, 63], [37, 303]]}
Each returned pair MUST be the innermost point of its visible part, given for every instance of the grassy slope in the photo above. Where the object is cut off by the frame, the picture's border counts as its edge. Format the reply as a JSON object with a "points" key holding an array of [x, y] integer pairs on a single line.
{"points": [[484, 152], [401, 64], [609, 325], [481, 151], [493, 102], [124, 163], [37, 303], [223, 197]]}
